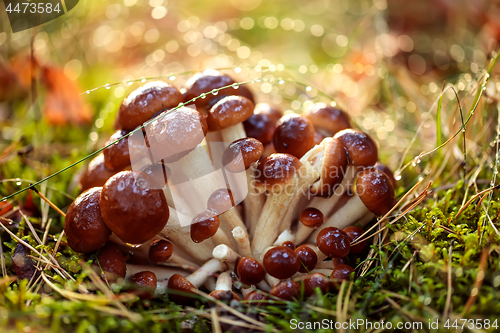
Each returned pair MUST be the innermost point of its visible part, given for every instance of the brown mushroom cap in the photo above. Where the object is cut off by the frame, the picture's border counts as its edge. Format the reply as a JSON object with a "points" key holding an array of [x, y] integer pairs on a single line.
{"points": [[224, 295], [153, 176], [327, 118], [96, 174], [314, 281], [257, 296], [84, 227], [286, 290], [318, 137], [361, 148], [179, 289], [281, 262], [175, 134], [111, 261], [242, 153], [204, 226], [117, 157], [339, 261], [250, 271], [205, 82], [229, 111], [385, 169], [289, 244], [308, 258], [135, 214], [333, 167], [293, 135], [276, 169], [354, 232], [24, 266], [262, 123], [220, 201], [160, 251], [340, 273], [333, 242], [374, 188], [146, 101], [145, 284], [311, 217]]}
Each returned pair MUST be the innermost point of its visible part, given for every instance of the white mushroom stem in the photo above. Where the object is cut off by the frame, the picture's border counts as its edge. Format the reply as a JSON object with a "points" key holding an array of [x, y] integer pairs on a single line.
{"points": [[327, 205], [277, 204], [246, 291], [232, 219], [181, 237], [242, 241], [233, 133], [285, 236], [353, 210], [363, 221], [272, 280], [224, 281], [321, 256], [326, 272], [211, 267], [210, 283], [220, 237], [263, 285], [254, 202], [225, 254], [162, 273]]}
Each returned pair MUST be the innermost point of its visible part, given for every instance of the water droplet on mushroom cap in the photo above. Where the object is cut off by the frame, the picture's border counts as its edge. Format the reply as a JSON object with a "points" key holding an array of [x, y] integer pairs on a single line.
{"points": [[134, 213], [146, 101], [84, 226]]}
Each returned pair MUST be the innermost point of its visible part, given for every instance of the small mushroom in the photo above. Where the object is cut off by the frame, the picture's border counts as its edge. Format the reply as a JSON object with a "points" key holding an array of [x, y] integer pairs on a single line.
{"points": [[281, 262], [316, 281], [255, 298], [374, 193], [286, 290], [341, 273], [160, 251], [311, 218], [96, 174], [111, 262], [227, 116], [293, 135], [262, 123], [250, 271], [180, 288], [289, 244], [308, 258], [354, 232], [116, 156], [144, 284], [339, 261], [327, 119], [135, 214], [84, 226], [206, 225], [223, 288], [145, 102], [333, 242]]}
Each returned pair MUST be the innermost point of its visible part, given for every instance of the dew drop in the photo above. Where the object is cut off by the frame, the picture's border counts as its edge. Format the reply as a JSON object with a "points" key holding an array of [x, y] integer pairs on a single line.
{"points": [[87, 92], [215, 92], [258, 79], [172, 78], [143, 80], [107, 85], [235, 86], [203, 96], [281, 82], [237, 70], [397, 177], [18, 181], [308, 88], [130, 83]]}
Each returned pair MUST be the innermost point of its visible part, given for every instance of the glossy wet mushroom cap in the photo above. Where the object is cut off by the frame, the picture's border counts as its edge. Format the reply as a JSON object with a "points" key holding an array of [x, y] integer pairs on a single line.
{"points": [[341, 273], [281, 262], [316, 281], [135, 214], [111, 261], [333, 168], [153, 176], [24, 266], [250, 271], [179, 289], [360, 146], [293, 135], [145, 102], [255, 298], [220, 201], [262, 123], [327, 119], [289, 245], [160, 251], [385, 169], [286, 290], [375, 190], [116, 156], [206, 81], [175, 134], [84, 226], [144, 284], [204, 226], [96, 174], [333, 242], [229, 111], [308, 258], [339, 261], [311, 217], [354, 232], [276, 169], [241, 154]]}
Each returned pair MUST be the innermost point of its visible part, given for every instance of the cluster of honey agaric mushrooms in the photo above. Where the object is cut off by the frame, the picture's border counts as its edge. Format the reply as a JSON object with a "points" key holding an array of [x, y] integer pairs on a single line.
{"points": [[313, 182]]}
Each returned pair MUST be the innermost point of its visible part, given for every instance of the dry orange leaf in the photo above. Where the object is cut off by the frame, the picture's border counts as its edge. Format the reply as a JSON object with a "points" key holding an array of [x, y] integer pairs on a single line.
{"points": [[16, 77], [63, 103]]}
